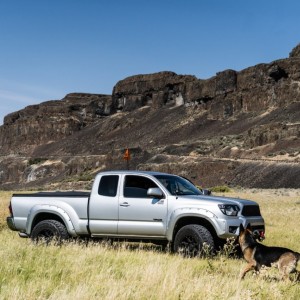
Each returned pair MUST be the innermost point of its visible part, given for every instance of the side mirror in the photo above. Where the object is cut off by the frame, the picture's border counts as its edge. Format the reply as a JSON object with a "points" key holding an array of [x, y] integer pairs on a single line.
{"points": [[206, 192], [155, 192]]}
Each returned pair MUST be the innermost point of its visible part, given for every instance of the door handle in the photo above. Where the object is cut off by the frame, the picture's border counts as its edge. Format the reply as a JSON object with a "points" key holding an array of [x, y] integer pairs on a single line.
{"points": [[125, 204]]}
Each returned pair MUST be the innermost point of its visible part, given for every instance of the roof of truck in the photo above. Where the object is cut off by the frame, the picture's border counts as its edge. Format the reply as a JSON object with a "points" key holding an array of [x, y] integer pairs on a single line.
{"points": [[134, 172]]}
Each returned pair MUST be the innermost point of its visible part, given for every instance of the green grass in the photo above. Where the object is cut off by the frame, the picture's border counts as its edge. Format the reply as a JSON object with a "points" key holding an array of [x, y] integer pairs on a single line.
{"points": [[126, 271]]}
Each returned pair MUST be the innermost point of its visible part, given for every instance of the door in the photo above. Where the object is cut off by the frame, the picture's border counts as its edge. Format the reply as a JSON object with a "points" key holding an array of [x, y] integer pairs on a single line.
{"points": [[140, 215], [103, 209]]}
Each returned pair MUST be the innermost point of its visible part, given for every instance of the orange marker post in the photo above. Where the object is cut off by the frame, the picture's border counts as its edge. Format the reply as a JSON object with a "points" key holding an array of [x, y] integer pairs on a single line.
{"points": [[127, 157]]}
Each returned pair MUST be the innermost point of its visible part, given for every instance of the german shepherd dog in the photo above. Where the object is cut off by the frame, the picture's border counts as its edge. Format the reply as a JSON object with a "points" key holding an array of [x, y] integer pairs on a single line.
{"points": [[258, 255]]}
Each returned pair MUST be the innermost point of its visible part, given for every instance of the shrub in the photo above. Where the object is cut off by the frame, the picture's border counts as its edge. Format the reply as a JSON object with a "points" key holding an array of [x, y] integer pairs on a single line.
{"points": [[36, 160], [220, 189], [86, 177]]}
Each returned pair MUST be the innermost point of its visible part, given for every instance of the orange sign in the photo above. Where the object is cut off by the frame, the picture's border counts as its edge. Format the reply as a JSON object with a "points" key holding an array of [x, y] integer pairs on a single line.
{"points": [[127, 154]]}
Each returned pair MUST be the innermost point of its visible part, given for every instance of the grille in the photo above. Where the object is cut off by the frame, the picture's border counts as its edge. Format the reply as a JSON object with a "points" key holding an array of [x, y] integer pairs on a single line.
{"points": [[251, 210]]}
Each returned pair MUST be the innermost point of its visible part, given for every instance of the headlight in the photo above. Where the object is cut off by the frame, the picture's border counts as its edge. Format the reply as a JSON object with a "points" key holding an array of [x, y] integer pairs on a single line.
{"points": [[229, 209]]}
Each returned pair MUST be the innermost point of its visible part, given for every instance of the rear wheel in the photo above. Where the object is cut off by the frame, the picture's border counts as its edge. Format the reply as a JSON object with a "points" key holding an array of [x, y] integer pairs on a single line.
{"points": [[49, 230], [193, 240]]}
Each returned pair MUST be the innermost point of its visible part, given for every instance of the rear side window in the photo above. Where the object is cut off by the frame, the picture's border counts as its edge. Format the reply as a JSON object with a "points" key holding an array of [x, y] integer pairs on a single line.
{"points": [[108, 185], [137, 186]]}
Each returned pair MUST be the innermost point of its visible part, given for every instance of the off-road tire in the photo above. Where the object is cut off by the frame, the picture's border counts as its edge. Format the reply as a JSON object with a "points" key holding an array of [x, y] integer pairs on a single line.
{"points": [[190, 240], [49, 230]]}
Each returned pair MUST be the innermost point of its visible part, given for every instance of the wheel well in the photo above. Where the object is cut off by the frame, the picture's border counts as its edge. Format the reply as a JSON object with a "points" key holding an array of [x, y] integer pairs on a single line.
{"points": [[46, 216], [194, 220]]}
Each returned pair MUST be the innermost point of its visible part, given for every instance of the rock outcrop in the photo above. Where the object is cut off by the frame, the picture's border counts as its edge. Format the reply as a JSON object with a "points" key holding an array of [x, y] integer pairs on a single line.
{"points": [[295, 52], [236, 128], [157, 90], [50, 121], [229, 93]]}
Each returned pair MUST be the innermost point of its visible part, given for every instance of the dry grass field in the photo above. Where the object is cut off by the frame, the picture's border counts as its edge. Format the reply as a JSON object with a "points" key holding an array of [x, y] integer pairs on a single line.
{"points": [[124, 271]]}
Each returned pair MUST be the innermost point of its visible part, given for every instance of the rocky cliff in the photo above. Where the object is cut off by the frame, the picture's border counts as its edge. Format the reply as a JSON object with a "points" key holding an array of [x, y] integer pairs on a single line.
{"points": [[51, 121], [236, 128]]}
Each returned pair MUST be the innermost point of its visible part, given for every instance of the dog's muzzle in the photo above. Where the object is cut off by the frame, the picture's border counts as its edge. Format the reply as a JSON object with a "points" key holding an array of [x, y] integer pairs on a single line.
{"points": [[258, 235]]}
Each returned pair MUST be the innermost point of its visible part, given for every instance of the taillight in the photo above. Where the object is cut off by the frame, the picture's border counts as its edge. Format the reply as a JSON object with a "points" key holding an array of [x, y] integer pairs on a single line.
{"points": [[10, 209]]}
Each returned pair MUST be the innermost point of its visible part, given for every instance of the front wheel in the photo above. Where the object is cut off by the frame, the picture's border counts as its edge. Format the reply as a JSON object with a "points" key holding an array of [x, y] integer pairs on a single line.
{"points": [[49, 230], [193, 240]]}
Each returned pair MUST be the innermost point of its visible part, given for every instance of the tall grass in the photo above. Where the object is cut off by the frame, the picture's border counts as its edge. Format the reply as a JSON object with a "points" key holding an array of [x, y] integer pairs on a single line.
{"points": [[125, 271]]}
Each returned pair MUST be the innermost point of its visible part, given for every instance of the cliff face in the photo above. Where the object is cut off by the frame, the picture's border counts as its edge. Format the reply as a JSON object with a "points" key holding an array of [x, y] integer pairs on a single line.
{"points": [[50, 121], [229, 93], [236, 128]]}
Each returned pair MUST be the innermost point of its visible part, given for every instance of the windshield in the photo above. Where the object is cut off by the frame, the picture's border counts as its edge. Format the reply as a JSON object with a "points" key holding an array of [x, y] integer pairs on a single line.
{"points": [[177, 185]]}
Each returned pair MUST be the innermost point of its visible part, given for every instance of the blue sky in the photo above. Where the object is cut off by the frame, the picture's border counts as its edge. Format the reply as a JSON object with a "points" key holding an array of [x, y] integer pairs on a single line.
{"points": [[53, 47]]}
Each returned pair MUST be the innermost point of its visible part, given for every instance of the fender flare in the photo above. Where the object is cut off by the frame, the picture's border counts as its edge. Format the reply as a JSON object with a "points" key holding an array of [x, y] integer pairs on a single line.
{"points": [[50, 209], [193, 212]]}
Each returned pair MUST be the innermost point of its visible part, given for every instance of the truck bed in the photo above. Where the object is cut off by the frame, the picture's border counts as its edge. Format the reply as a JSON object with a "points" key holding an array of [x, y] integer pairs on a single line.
{"points": [[74, 203], [73, 194]]}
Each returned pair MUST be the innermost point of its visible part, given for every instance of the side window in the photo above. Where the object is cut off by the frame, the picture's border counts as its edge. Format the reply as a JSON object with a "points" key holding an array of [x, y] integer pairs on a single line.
{"points": [[137, 186], [108, 185]]}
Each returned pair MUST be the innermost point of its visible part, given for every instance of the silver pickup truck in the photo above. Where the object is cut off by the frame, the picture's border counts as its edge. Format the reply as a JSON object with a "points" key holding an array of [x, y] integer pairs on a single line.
{"points": [[135, 205]]}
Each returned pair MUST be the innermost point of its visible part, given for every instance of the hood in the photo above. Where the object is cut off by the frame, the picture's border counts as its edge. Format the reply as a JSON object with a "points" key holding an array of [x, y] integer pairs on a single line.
{"points": [[213, 200]]}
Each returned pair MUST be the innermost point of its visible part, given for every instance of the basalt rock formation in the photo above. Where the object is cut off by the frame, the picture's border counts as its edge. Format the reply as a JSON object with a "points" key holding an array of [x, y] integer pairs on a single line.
{"points": [[50, 121], [236, 128]]}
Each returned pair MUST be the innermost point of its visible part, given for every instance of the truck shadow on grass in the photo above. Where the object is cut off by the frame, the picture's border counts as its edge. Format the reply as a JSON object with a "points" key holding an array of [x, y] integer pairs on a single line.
{"points": [[230, 249]]}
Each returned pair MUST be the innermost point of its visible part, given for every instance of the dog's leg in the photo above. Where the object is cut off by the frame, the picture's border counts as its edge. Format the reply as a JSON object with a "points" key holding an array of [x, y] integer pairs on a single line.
{"points": [[251, 265], [287, 264]]}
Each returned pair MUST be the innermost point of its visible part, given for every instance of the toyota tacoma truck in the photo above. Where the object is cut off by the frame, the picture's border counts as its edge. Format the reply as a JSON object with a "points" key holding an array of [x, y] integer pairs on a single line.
{"points": [[135, 205]]}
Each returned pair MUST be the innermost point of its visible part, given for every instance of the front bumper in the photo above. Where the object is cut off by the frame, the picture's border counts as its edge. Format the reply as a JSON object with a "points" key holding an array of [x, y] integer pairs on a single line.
{"points": [[231, 226]]}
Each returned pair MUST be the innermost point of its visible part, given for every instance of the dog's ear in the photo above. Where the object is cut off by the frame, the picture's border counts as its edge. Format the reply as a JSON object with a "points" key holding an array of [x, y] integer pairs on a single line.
{"points": [[242, 229], [249, 227]]}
